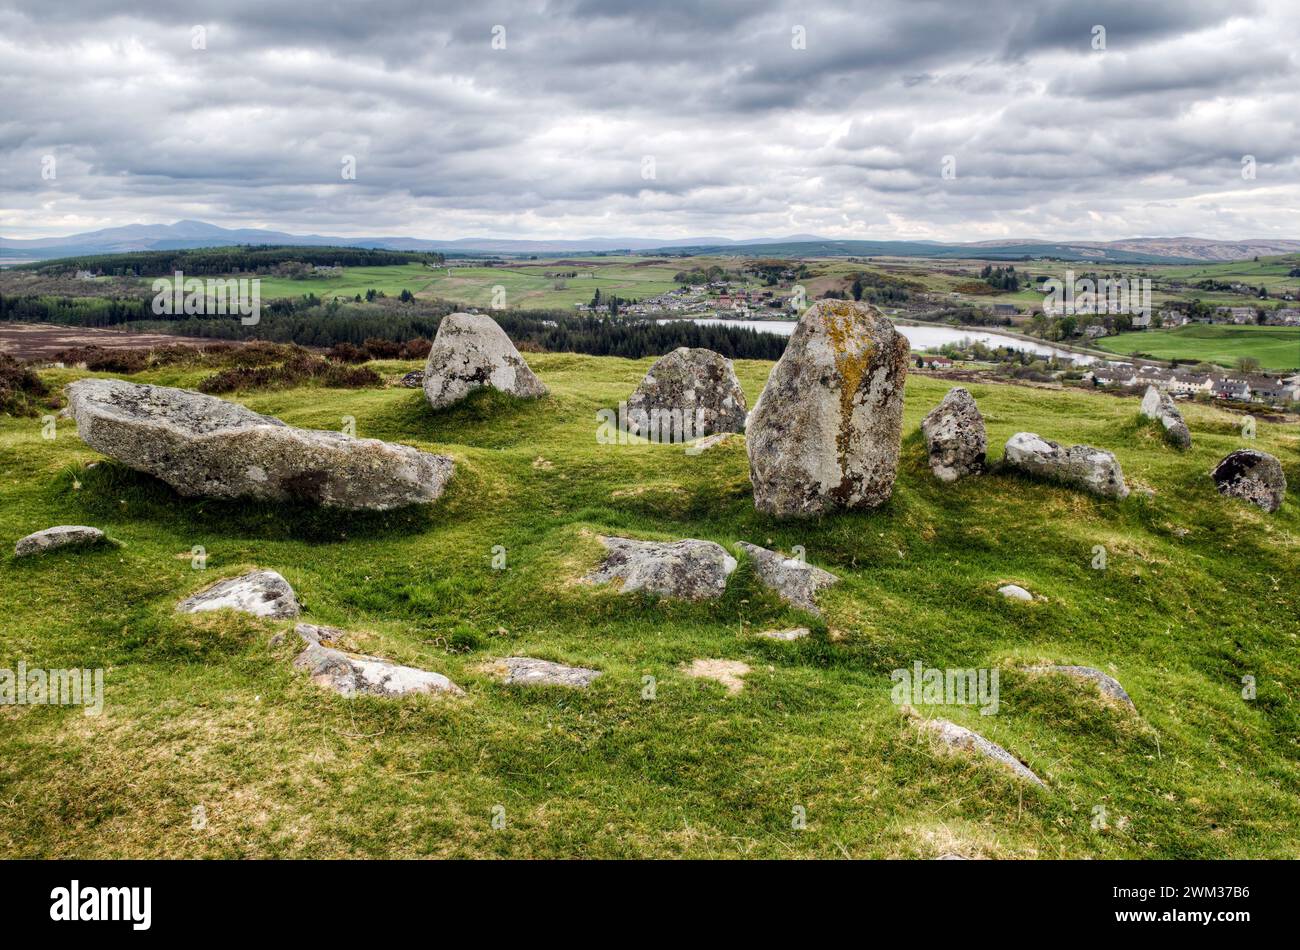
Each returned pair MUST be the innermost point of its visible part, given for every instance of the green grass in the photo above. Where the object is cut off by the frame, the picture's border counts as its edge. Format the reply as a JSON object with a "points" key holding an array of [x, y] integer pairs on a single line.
{"points": [[1199, 591], [527, 286], [391, 279], [1276, 348]]}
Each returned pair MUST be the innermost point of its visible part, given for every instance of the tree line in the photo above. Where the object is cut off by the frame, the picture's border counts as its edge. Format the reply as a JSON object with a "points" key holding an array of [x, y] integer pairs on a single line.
{"points": [[241, 258], [308, 321]]}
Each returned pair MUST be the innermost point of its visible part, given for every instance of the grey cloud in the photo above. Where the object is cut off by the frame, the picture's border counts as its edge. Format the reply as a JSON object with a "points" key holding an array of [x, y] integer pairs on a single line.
{"points": [[749, 135]]}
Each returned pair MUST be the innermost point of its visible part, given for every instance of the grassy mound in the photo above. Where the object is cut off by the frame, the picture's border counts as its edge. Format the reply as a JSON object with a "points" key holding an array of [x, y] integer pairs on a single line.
{"points": [[210, 745]]}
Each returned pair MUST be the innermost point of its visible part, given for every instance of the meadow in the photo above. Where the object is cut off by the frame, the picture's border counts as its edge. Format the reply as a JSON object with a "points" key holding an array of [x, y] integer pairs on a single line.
{"points": [[1276, 348], [210, 745], [391, 279]]}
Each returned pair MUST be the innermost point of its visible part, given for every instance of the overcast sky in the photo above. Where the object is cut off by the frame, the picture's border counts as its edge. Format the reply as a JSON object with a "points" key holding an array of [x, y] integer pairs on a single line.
{"points": [[652, 119]]}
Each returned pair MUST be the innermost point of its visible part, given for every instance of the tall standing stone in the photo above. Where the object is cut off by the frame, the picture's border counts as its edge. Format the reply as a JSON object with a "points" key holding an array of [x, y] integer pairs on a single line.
{"points": [[955, 437], [825, 432], [471, 352]]}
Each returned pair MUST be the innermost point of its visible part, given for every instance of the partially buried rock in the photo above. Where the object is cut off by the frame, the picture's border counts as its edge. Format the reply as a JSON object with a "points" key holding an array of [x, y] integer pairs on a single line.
{"points": [[413, 380], [527, 671], [794, 580], [1078, 466], [1160, 407], [688, 394], [1015, 592], [786, 636], [61, 536], [959, 737], [471, 352], [1252, 476], [260, 593], [690, 569], [1107, 684], [825, 432], [351, 673], [954, 436], [207, 447]]}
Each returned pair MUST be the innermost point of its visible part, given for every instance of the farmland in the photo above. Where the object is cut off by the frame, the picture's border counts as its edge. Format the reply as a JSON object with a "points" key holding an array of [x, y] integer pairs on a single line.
{"points": [[1276, 348]]}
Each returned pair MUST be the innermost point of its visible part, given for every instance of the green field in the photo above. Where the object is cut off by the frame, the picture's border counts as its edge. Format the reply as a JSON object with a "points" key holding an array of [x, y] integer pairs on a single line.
{"points": [[1276, 348], [1198, 592], [391, 279], [526, 285]]}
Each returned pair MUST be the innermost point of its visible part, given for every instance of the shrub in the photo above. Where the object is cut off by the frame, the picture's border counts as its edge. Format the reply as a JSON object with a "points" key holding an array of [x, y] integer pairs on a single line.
{"points": [[347, 353], [382, 349], [417, 349], [20, 388]]}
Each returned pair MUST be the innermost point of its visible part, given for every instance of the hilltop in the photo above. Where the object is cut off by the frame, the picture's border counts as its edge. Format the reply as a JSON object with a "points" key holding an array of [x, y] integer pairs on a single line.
{"points": [[205, 716]]}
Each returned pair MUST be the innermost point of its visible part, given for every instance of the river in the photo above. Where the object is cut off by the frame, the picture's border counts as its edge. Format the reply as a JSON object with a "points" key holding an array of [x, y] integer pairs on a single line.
{"points": [[921, 337]]}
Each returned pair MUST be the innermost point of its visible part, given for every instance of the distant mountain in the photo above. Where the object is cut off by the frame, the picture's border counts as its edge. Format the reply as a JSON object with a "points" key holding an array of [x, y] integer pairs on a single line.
{"points": [[192, 234]]}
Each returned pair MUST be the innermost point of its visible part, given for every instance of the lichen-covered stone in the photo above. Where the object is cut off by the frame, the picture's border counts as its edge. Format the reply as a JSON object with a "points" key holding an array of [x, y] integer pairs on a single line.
{"points": [[470, 352], [412, 380], [687, 394], [786, 636], [207, 447], [689, 569], [959, 737], [260, 593], [795, 581], [60, 536], [1160, 406], [351, 673], [528, 671], [1107, 684], [1078, 466], [825, 432], [955, 437], [1252, 476]]}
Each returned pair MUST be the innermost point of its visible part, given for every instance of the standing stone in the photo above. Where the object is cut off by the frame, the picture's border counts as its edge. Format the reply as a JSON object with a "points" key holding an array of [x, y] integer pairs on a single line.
{"points": [[470, 352], [1253, 476], [61, 536], [954, 436], [1079, 466], [207, 447], [260, 593], [1160, 406], [688, 394], [825, 432]]}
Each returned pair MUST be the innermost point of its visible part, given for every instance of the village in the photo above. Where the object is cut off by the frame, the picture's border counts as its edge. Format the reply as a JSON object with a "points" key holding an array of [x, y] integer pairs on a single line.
{"points": [[1185, 384]]}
